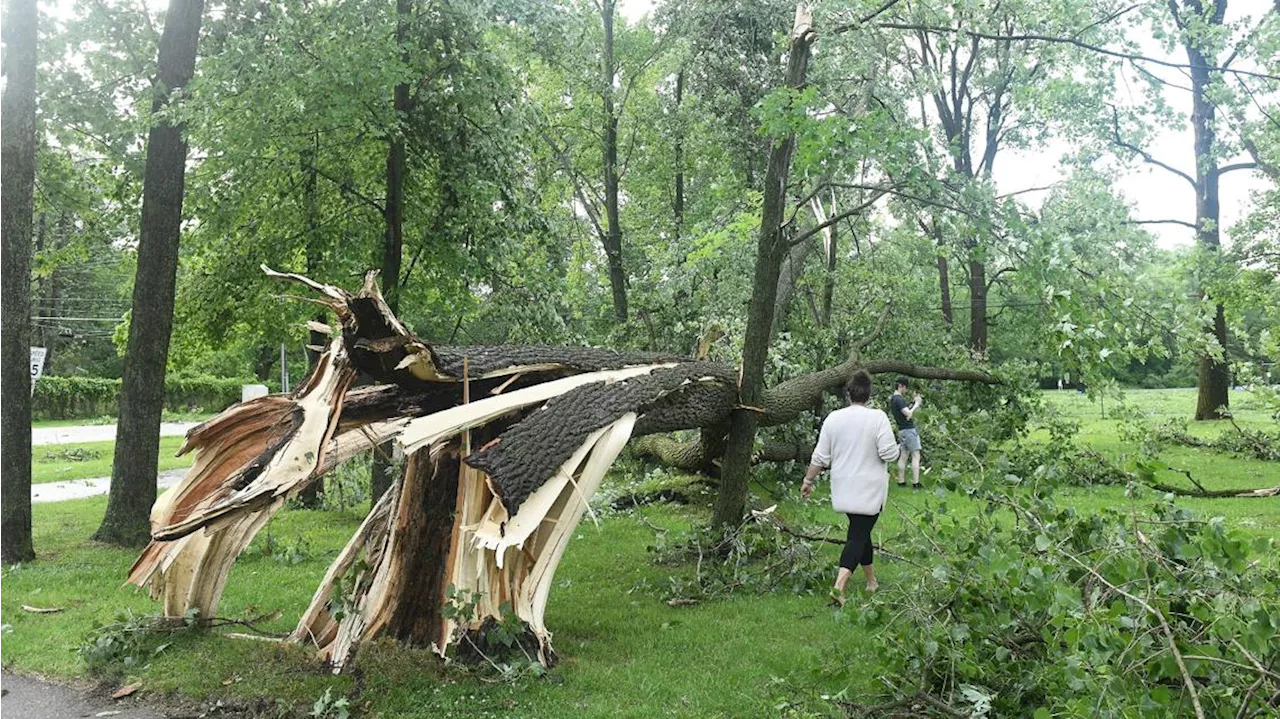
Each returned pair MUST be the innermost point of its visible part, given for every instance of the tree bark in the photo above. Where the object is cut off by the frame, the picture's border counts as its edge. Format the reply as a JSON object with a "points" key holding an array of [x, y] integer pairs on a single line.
{"points": [[133, 470], [944, 271], [977, 305], [613, 230], [1214, 376], [677, 206], [770, 251], [788, 275], [829, 280], [393, 246], [18, 155]]}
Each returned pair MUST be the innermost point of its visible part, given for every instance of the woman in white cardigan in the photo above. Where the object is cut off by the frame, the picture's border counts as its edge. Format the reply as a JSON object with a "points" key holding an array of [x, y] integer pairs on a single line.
{"points": [[855, 443]]}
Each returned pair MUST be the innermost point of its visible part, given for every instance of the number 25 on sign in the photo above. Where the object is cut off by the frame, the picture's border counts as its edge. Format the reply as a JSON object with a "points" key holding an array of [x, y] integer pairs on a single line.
{"points": [[37, 365]]}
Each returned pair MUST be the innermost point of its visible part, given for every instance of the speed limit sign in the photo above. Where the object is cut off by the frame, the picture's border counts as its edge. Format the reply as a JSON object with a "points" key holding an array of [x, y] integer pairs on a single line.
{"points": [[37, 365]]}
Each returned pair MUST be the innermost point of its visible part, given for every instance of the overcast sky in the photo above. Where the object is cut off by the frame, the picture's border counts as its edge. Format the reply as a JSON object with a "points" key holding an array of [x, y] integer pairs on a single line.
{"points": [[1155, 193]]}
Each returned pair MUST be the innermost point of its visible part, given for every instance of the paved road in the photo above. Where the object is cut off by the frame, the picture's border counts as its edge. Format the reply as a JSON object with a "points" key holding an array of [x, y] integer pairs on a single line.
{"points": [[81, 488], [27, 698], [97, 433]]}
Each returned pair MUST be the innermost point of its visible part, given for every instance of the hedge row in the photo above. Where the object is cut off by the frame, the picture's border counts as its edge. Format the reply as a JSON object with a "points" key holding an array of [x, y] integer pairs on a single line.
{"points": [[87, 397]]}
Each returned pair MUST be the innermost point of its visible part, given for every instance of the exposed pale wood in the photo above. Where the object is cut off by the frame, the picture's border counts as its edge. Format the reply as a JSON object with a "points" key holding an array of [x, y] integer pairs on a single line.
{"points": [[201, 525]]}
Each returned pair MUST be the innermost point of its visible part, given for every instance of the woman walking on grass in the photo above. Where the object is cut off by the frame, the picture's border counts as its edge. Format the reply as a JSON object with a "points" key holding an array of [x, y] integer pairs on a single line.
{"points": [[855, 443]]}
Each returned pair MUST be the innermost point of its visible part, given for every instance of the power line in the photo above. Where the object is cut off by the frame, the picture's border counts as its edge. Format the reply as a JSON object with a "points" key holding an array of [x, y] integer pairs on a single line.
{"points": [[79, 319]]}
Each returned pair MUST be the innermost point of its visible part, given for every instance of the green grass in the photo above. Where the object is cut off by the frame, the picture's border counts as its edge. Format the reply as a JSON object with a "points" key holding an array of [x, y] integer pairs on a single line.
{"points": [[85, 460], [624, 652], [167, 416]]}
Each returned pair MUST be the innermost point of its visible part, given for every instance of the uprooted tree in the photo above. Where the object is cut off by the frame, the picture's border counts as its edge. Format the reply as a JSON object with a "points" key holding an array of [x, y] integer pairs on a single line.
{"points": [[504, 447]]}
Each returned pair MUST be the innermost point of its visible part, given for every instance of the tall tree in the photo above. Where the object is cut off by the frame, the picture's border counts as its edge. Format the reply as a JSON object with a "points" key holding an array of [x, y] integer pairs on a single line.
{"points": [[393, 245], [612, 237], [1211, 46], [133, 470], [18, 131], [771, 250], [1191, 17]]}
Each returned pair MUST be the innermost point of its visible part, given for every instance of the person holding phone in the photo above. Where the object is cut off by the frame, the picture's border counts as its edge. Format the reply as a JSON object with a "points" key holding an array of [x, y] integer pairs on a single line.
{"points": [[908, 435]]}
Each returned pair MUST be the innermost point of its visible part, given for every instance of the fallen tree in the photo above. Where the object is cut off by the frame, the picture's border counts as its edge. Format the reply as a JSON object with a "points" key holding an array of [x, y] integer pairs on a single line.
{"points": [[504, 447]]}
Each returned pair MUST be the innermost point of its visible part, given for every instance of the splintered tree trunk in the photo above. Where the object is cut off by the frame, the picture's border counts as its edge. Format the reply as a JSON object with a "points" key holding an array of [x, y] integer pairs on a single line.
{"points": [[133, 471], [1214, 378], [18, 140], [613, 232], [770, 252]]}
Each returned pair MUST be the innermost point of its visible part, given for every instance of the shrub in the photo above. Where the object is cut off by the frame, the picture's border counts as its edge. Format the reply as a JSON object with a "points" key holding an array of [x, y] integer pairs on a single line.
{"points": [[1060, 614], [85, 397]]}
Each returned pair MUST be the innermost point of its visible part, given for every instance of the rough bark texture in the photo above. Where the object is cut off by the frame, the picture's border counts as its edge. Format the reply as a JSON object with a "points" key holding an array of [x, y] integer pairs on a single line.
{"points": [[770, 252], [133, 470], [18, 140], [612, 238], [521, 459], [425, 524], [1214, 376]]}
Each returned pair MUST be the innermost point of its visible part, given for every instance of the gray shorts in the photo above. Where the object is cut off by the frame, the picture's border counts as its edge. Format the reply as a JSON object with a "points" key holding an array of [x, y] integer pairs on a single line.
{"points": [[909, 439]]}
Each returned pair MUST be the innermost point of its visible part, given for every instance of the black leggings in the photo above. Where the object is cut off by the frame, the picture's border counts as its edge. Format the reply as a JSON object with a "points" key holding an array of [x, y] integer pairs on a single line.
{"points": [[857, 546]]}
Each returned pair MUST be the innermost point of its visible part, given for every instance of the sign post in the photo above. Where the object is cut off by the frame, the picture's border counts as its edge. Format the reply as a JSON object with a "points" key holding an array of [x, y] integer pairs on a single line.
{"points": [[37, 365]]}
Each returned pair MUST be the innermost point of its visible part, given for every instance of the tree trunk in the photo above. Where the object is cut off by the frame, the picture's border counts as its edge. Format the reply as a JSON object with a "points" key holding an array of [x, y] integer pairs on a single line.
{"points": [[613, 230], [677, 207], [977, 305], [788, 275], [18, 155], [770, 251], [1214, 376], [829, 281], [133, 471], [264, 361], [944, 288], [944, 272], [393, 248]]}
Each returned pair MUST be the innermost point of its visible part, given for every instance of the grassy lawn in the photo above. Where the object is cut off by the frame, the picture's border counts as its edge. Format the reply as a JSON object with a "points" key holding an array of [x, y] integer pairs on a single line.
{"points": [[58, 462], [167, 416], [624, 652]]}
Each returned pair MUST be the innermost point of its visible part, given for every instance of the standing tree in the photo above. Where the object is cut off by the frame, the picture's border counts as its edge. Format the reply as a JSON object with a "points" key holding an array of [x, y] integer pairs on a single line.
{"points": [[393, 245], [1213, 47], [771, 250], [18, 136], [133, 471]]}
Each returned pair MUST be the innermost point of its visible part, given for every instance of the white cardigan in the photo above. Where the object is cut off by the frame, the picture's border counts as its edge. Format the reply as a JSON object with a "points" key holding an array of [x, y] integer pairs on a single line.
{"points": [[855, 444]]}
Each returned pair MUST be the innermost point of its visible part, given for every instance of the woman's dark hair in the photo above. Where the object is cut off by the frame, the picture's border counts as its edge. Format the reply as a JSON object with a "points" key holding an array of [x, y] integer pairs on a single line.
{"points": [[858, 388]]}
